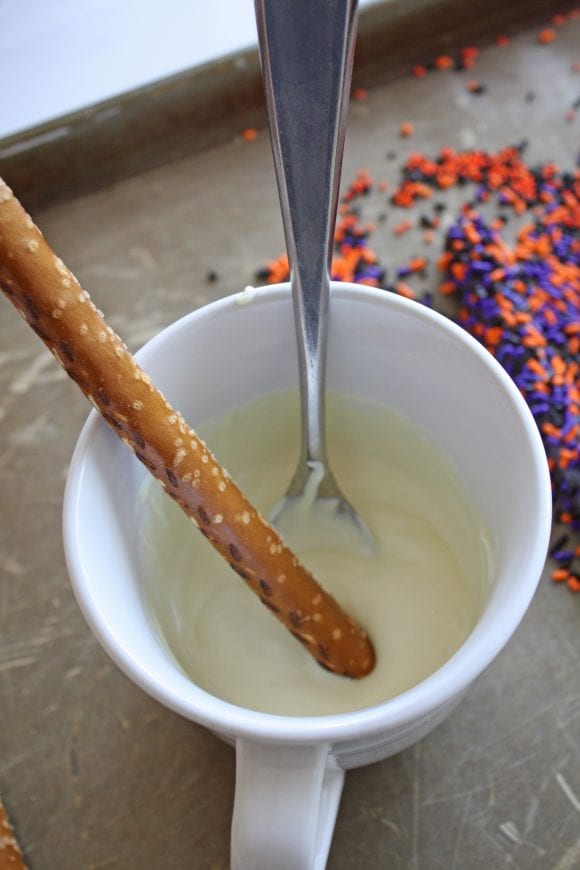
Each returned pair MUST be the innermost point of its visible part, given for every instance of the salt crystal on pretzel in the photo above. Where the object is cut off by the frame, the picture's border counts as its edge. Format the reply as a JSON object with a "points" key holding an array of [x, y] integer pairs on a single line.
{"points": [[61, 313]]}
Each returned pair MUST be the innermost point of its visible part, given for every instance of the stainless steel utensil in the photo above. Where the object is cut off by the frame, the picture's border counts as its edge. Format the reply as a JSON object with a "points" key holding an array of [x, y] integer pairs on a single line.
{"points": [[306, 49]]}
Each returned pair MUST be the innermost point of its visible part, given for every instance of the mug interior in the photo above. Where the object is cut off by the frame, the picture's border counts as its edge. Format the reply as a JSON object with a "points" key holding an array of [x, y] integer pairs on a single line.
{"points": [[381, 347]]}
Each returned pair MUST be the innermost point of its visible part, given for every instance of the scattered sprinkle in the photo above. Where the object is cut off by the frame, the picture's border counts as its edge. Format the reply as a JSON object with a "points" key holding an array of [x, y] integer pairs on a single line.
{"points": [[444, 61], [521, 299], [546, 36], [476, 88]]}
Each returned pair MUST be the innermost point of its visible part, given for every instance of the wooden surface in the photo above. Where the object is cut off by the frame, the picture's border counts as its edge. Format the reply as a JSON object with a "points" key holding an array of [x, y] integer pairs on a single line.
{"points": [[93, 773]]}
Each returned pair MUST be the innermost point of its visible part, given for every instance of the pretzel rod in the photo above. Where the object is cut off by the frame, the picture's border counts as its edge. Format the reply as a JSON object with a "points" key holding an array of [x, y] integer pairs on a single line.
{"points": [[61, 313], [10, 854]]}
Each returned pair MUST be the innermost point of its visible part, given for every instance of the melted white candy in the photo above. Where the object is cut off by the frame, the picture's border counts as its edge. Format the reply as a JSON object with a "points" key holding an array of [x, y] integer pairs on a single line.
{"points": [[418, 596]]}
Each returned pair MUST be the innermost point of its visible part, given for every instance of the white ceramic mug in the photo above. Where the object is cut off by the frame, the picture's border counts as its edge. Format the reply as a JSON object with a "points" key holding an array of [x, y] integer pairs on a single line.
{"points": [[290, 769]]}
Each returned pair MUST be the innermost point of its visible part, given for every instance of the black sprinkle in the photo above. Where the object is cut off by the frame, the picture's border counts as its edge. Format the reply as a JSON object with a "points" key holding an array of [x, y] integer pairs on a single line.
{"points": [[105, 400], [323, 650], [212, 276], [295, 618], [138, 439], [265, 586], [172, 478]]}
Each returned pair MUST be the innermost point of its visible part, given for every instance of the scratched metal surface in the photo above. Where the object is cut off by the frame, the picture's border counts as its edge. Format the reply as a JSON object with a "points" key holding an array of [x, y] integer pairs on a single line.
{"points": [[97, 775]]}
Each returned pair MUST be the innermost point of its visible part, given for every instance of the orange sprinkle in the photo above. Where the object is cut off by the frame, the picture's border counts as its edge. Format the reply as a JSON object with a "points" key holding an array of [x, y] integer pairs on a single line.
{"points": [[278, 270], [404, 290], [493, 336], [560, 574], [458, 270], [546, 36], [446, 179], [502, 41], [402, 227], [572, 328], [359, 94], [444, 61], [417, 264], [419, 71], [472, 235], [447, 288], [573, 584], [249, 134], [406, 129], [549, 429], [538, 369]]}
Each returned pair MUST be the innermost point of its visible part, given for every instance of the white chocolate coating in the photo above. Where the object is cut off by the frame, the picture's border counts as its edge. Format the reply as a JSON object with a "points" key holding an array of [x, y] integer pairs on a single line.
{"points": [[420, 596]]}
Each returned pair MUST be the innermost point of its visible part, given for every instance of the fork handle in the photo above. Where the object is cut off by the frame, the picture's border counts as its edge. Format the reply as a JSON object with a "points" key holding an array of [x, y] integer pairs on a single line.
{"points": [[307, 49]]}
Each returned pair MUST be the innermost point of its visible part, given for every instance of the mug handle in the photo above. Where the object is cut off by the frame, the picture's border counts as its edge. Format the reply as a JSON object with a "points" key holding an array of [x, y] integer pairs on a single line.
{"points": [[285, 806]]}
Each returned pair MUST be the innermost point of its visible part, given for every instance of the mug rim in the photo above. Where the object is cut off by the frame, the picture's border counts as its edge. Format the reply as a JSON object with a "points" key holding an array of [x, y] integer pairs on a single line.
{"points": [[436, 691]]}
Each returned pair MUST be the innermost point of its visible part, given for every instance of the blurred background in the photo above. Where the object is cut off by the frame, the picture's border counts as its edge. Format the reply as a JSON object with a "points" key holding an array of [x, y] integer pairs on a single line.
{"points": [[60, 56]]}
